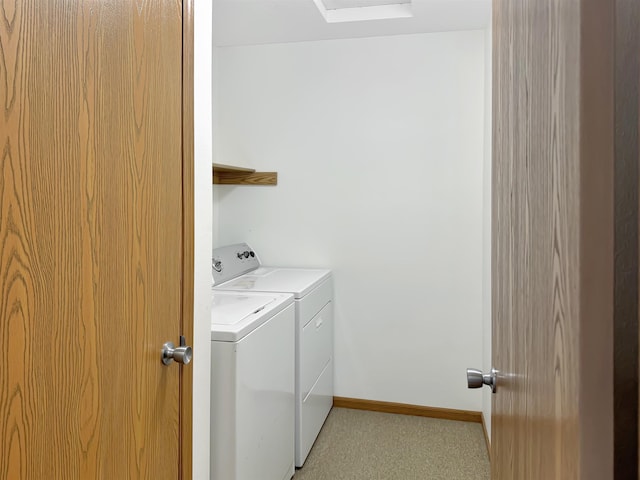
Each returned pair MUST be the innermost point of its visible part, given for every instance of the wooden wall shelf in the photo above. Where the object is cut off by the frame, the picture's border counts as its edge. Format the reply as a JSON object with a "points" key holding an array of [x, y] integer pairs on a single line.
{"points": [[230, 175]]}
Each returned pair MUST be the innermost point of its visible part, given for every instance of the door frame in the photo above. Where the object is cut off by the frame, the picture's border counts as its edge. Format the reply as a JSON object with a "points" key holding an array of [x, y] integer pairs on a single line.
{"points": [[187, 327], [596, 240], [626, 81]]}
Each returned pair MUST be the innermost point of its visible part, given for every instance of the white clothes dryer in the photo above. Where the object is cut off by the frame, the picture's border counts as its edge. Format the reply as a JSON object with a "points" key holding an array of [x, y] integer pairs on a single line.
{"points": [[237, 268], [252, 386]]}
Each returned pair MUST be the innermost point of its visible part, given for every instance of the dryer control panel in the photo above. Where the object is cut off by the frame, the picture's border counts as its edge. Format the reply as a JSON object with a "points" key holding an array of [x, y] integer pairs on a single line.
{"points": [[232, 261]]}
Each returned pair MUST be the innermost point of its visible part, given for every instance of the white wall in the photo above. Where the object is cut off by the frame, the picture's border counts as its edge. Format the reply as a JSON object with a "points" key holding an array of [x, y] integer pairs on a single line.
{"points": [[379, 147], [202, 247], [486, 235]]}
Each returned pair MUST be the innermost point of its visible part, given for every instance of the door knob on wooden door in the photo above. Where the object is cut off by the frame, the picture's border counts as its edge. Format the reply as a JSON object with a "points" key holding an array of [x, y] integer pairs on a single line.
{"points": [[476, 379], [182, 354]]}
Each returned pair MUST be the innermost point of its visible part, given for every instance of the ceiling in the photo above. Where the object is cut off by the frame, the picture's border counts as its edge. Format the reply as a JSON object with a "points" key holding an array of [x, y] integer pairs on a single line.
{"points": [[251, 22]]}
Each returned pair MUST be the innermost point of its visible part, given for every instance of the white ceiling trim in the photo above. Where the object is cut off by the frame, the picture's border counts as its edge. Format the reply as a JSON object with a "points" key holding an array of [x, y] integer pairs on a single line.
{"points": [[337, 4], [255, 22], [360, 14]]}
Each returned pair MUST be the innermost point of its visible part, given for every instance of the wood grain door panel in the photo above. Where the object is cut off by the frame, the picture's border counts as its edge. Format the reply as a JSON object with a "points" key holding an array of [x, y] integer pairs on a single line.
{"points": [[552, 243], [91, 235]]}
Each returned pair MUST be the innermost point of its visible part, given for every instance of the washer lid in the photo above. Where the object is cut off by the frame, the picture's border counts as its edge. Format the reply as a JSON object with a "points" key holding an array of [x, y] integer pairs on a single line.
{"points": [[231, 309], [236, 314], [298, 281]]}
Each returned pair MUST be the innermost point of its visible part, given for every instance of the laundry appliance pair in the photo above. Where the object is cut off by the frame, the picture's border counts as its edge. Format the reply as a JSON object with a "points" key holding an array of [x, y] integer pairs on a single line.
{"points": [[271, 363]]}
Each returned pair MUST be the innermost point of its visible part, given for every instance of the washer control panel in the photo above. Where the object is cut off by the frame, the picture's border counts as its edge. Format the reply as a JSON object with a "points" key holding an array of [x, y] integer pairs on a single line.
{"points": [[245, 254], [232, 261]]}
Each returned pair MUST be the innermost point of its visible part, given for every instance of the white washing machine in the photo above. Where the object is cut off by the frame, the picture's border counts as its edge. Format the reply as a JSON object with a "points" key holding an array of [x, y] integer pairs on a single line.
{"points": [[237, 268], [252, 386]]}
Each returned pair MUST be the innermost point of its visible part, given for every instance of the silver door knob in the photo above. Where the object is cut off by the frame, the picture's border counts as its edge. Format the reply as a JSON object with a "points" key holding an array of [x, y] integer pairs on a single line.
{"points": [[476, 379], [182, 354]]}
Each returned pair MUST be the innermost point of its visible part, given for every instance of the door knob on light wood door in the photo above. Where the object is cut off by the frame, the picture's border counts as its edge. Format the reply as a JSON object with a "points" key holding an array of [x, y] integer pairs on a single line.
{"points": [[476, 379], [182, 354]]}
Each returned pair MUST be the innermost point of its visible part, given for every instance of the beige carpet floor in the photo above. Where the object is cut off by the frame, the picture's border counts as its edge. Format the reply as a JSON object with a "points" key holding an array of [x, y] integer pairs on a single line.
{"points": [[362, 445]]}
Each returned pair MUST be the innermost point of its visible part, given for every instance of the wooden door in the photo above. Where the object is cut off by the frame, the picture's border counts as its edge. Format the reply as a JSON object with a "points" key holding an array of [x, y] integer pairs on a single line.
{"points": [[91, 238], [552, 243]]}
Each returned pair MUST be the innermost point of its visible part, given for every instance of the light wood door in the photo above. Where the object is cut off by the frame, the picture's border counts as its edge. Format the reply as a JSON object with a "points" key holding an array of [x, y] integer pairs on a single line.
{"points": [[91, 225], [553, 240]]}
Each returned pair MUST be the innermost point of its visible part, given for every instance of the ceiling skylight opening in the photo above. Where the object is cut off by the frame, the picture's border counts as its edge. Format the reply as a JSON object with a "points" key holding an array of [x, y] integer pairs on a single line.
{"points": [[335, 11]]}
